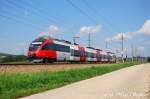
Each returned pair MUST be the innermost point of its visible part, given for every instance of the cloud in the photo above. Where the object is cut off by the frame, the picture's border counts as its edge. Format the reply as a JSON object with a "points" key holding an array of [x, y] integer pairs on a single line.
{"points": [[145, 28], [128, 35], [50, 31], [90, 29], [45, 34], [118, 37], [53, 28]]}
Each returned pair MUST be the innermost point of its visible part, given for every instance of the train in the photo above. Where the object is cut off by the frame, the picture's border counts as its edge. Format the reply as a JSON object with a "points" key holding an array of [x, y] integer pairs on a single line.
{"points": [[49, 50]]}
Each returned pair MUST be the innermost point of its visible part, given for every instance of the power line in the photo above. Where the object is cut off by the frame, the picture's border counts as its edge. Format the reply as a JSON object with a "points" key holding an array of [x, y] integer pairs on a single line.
{"points": [[20, 21], [43, 10], [85, 14], [97, 13], [13, 17], [81, 11], [34, 12], [39, 11]]}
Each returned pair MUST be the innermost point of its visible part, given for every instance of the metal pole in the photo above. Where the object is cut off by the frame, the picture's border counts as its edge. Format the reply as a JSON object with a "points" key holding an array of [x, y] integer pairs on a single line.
{"points": [[106, 45], [132, 51], [74, 39], [122, 47], [89, 40]]}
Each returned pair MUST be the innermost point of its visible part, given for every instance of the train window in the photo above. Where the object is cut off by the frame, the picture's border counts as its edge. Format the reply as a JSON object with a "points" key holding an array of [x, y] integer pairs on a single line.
{"points": [[98, 55], [34, 47], [62, 48], [77, 53], [48, 47], [56, 47], [89, 54], [86, 54], [82, 53], [92, 55], [40, 39], [102, 56], [72, 52]]}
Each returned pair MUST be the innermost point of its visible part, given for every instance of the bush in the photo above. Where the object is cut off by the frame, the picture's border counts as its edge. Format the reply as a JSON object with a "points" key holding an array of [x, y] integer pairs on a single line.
{"points": [[17, 58], [148, 59]]}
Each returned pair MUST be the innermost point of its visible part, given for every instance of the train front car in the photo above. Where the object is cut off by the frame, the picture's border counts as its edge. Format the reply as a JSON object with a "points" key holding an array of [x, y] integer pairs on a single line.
{"points": [[34, 49], [38, 50], [48, 50]]}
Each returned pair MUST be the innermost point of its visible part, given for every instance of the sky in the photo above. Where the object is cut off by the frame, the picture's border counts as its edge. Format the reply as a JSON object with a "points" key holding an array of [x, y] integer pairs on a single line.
{"points": [[21, 21]]}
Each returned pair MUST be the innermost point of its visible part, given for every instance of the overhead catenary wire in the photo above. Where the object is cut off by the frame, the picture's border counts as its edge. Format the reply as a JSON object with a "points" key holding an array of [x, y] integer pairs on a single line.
{"points": [[82, 12], [33, 11], [98, 13], [43, 11], [40, 11], [86, 15], [37, 12], [108, 23], [20, 21], [15, 17]]}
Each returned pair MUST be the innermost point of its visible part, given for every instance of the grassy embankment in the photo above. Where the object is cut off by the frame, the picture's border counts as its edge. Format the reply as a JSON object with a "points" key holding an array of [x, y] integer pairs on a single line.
{"points": [[22, 84]]}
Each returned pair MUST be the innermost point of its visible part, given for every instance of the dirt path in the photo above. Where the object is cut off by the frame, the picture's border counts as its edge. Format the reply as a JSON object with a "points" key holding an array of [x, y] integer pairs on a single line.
{"points": [[149, 89], [39, 68], [127, 83]]}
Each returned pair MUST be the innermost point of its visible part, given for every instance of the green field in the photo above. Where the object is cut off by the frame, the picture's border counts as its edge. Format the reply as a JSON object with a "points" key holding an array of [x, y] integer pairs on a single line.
{"points": [[23, 84]]}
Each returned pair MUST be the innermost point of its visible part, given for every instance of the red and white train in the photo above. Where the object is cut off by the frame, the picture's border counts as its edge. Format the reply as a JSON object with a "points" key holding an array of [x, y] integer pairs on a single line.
{"points": [[48, 50]]}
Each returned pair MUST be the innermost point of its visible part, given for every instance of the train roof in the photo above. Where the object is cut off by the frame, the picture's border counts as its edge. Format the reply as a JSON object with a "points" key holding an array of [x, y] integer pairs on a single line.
{"points": [[75, 44], [43, 38], [65, 41], [91, 48], [99, 49]]}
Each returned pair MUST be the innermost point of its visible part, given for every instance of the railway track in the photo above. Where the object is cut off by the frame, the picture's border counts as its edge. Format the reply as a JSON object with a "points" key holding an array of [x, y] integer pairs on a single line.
{"points": [[38, 67], [56, 63], [31, 64]]}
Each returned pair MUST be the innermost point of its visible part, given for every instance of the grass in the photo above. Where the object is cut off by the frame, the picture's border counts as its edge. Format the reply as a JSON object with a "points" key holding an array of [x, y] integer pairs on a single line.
{"points": [[22, 84]]}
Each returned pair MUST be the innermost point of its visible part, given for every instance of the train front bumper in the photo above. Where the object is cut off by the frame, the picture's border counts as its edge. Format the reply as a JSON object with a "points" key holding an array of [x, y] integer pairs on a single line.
{"points": [[34, 59]]}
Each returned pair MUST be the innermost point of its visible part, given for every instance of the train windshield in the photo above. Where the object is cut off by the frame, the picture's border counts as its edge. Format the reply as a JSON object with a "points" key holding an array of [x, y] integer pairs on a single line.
{"points": [[34, 46]]}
